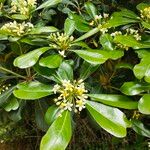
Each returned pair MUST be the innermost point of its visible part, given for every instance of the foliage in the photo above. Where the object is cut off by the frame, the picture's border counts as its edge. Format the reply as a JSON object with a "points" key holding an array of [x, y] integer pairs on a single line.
{"points": [[87, 63]]}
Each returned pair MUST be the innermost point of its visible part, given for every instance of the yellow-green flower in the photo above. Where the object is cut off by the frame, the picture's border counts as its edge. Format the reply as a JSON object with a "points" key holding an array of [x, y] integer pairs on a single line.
{"points": [[72, 96], [16, 29], [145, 14], [23, 6], [61, 42]]}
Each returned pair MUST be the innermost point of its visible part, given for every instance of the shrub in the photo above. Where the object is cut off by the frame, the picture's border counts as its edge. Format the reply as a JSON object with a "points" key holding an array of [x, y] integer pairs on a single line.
{"points": [[66, 58]]}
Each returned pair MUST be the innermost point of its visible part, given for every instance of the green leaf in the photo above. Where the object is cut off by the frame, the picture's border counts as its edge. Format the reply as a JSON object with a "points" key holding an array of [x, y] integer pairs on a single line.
{"points": [[87, 69], [144, 104], [87, 35], [114, 100], [29, 59], [80, 24], [139, 128], [69, 26], [142, 70], [146, 25], [16, 115], [123, 17], [98, 56], [44, 71], [65, 71], [80, 44], [32, 90], [52, 114], [141, 6], [4, 97], [52, 61], [2, 47], [106, 41], [134, 88], [49, 3], [20, 17], [12, 104], [110, 119], [59, 133], [40, 109], [3, 37], [130, 41], [91, 9], [124, 66], [40, 30]]}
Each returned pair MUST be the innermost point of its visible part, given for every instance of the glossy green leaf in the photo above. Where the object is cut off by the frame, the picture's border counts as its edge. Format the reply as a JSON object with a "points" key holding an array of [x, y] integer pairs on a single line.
{"points": [[80, 24], [144, 104], [110, 119], [29, 59], [142, 70], [4, 97], [130, 41], [87, 35], [106, 41], [65, 71], [32, 90], [139, 128], [115, 100], [52, 61], [44, 71], [48, 3], [134, 88], [87, 69], [91, 9], [59, 133], [12, 104], [123, 17], [69, 26], [98, 56], [51, 114], [40, 30]]}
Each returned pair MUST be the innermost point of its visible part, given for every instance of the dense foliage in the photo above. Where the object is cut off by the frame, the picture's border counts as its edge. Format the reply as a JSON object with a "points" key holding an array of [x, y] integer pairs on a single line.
{"points": [[60, 60]]}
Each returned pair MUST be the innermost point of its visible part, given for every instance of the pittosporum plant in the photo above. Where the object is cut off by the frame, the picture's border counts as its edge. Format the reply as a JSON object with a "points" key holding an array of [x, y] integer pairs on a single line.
{"points": [[98, 64]]}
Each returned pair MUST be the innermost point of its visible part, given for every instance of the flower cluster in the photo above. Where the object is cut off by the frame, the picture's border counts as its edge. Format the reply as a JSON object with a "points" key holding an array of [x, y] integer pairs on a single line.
{"points": [[4, 88], [116, 33], [23, 6], [145, 14], [72, 96], [129, 31], [133, 32], [16, 29], [61, 42], [100, 20]]}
